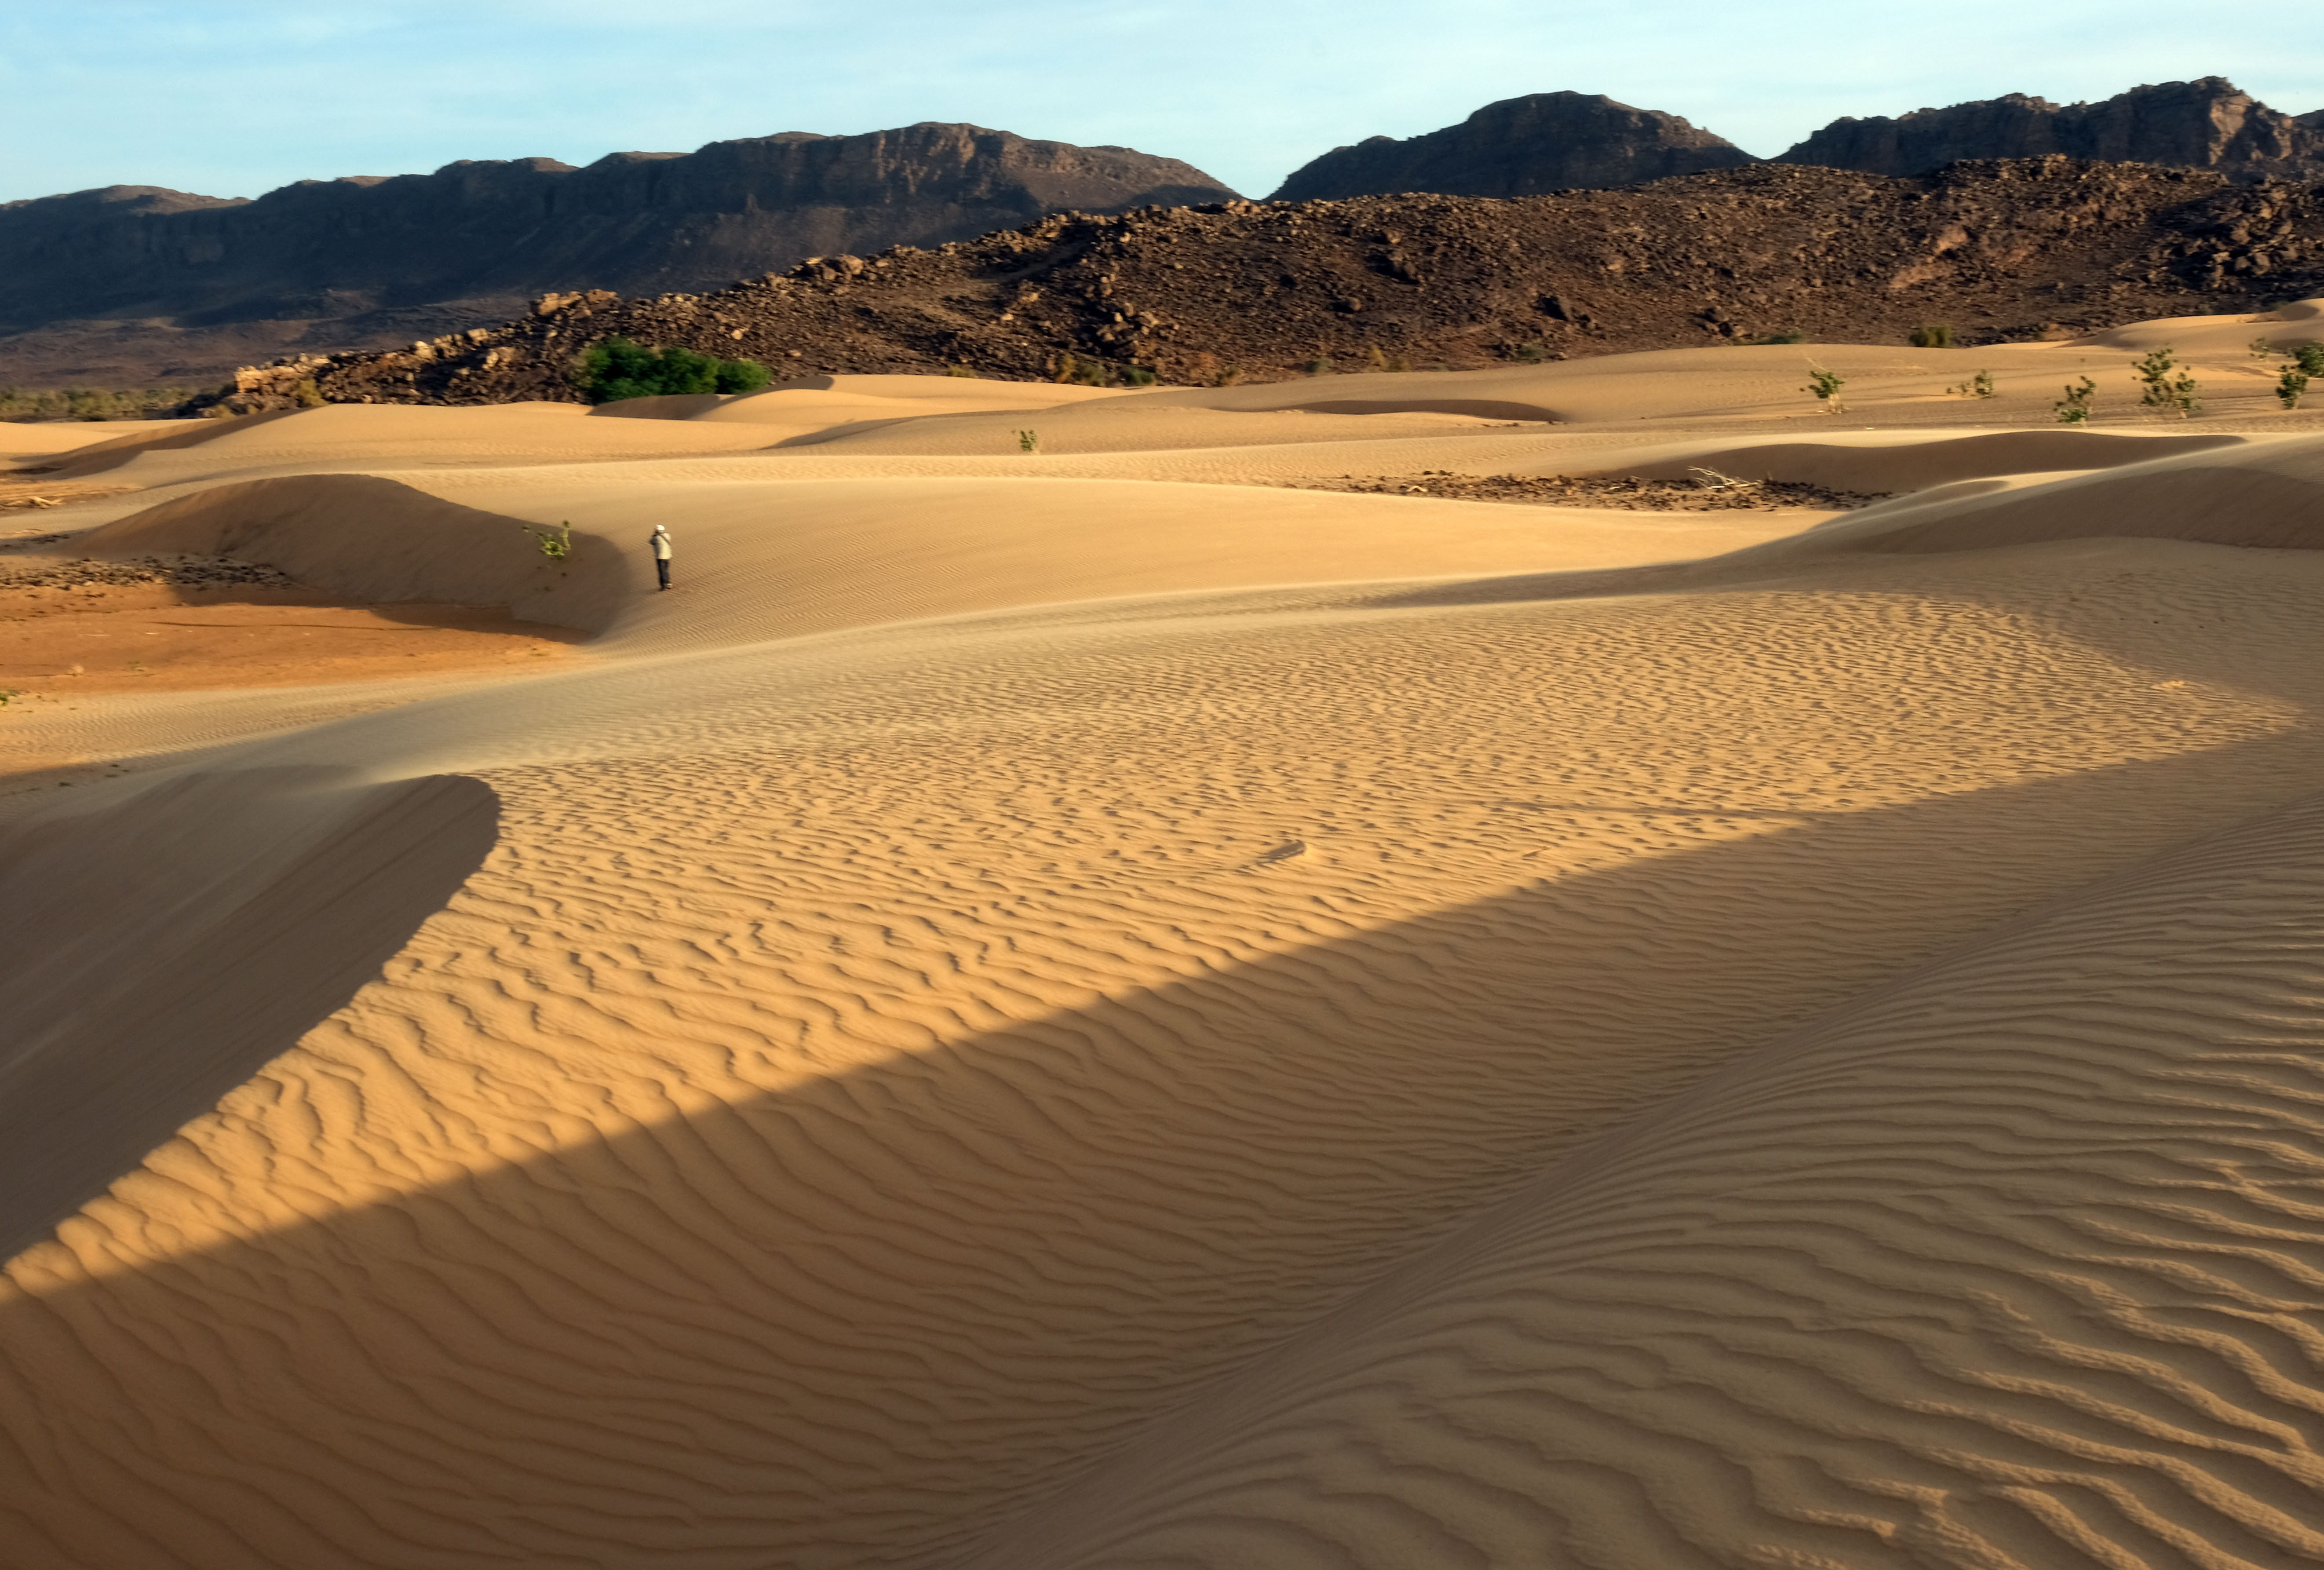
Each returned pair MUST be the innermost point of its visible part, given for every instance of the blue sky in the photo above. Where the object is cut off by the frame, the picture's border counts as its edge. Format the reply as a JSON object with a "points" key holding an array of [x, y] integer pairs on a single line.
{"points": [[231, 98]]}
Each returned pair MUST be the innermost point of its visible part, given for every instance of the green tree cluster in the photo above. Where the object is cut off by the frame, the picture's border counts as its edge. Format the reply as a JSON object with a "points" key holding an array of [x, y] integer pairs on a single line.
{"points": [[617, 368]]}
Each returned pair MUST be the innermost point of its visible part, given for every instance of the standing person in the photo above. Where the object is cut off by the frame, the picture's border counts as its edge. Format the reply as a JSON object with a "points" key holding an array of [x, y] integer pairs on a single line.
{"points": [[661, 554]]}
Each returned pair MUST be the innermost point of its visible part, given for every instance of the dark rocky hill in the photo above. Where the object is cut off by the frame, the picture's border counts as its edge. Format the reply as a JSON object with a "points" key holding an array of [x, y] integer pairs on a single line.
{"points": [[1528, 146], [2207, 123], [2008, 250], [184, 280]]}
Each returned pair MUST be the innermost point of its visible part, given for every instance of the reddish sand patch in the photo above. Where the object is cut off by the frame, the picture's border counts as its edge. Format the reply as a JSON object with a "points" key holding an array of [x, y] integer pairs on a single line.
{"points": [[59, 643]]}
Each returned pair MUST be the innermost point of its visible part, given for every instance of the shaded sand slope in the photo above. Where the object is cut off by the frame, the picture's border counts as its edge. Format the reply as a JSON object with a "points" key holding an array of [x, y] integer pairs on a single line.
{"points": [[2016, 1262], [161, 951], [2266, 493], [377, 539], [873, 1076]]}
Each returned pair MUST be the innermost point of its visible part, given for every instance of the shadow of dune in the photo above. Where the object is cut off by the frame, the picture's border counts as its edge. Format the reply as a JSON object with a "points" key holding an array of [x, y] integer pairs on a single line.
{"points": [[860, 1320], [156, 954], [373, 539]]}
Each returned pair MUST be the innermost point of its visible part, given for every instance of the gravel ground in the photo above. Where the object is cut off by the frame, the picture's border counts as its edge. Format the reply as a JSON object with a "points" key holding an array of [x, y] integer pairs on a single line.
{"points": [[1711, 493]]}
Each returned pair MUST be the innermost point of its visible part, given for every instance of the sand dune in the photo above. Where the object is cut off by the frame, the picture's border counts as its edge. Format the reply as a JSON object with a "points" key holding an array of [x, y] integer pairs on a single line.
{"points": [[1045, 1014]]}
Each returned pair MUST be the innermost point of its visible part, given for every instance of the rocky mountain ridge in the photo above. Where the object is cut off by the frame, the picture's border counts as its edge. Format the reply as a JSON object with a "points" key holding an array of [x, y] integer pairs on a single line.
{"points": [[137, 284], [2206, 123], [1528, 146], [2014, 250], [347, 260]]}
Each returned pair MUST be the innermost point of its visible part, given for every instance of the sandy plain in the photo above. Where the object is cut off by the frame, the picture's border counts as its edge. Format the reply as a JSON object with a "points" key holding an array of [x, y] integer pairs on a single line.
{"points": [[1094, 1007]]}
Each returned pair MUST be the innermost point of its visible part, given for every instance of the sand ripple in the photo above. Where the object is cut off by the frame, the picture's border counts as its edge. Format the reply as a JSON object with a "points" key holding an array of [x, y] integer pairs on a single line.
{"points": [[2015, 1263]]}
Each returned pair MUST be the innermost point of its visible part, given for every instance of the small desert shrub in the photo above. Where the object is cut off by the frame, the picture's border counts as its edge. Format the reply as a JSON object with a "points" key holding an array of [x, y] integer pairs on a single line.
{"points": [[1028, 441], [1138, 376], [1977, 386], [961, 371], [555, 544], [1321, 366], [1374, 360], [1531, 354], [1826, 386], [2291, 385], [2074, 407], [1766, 338], [306, 395], [1934, 335], [616, 368], [2262, 349], [2309, 357], [2163, 392]]}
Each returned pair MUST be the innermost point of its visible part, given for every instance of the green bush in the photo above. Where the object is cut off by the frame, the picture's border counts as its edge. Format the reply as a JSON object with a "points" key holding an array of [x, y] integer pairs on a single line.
{"points": [[1934, 335], [555, 544], [2074, 407], [2166, 393], [1826, 386], [2309, 357], [617, 368], [2290, 386]]}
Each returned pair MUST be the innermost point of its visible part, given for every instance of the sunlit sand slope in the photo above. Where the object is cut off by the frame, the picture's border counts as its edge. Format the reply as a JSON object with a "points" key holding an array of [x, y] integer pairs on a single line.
{"points": [[2014, 1263]]}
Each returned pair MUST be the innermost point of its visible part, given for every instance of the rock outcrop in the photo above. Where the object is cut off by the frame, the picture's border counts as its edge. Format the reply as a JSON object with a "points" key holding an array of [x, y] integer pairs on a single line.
{"points": [[1528, 146], [2207, 123], [2016, 250], [383, 260]]}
